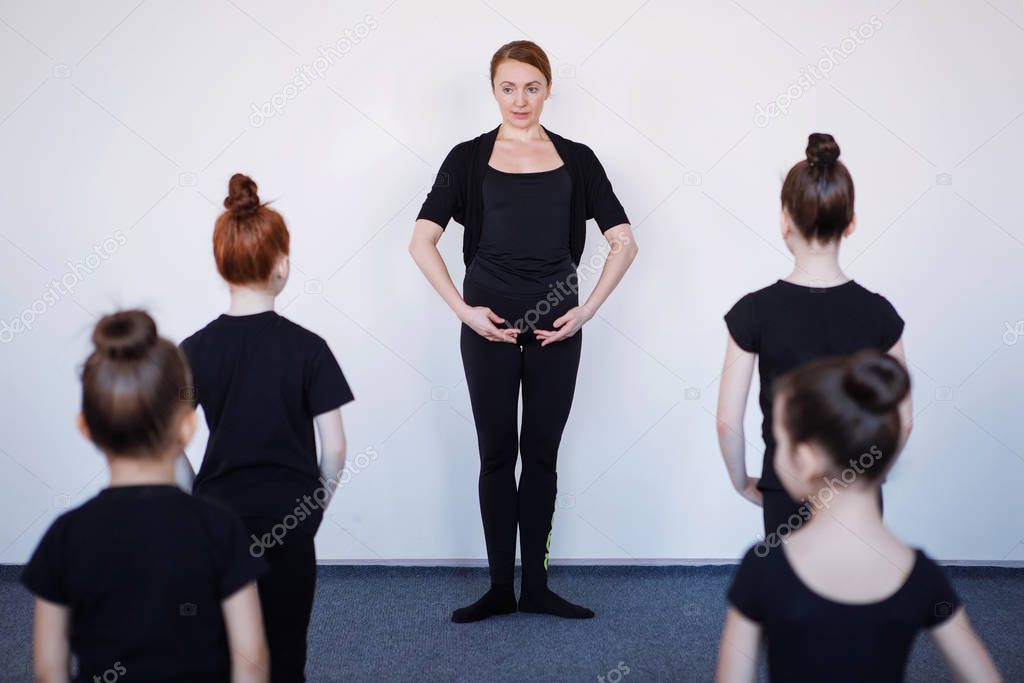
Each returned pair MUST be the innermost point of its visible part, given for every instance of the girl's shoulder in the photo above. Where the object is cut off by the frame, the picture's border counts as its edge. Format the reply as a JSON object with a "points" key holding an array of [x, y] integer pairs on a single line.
{"points": [[194, 338], [746, 306], [755, 581], [927, 568], [304, 335], [773, 290]]}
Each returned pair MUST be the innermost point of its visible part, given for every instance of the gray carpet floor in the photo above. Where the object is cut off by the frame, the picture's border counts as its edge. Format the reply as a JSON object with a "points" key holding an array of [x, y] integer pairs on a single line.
{"points": [[652, 624]]}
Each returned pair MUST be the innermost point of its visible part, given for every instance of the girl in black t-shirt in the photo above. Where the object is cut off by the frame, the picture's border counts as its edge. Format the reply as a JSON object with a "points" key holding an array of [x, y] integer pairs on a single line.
{"points": [[815, 311], [144, 581], [842, 599], [263, 383]]}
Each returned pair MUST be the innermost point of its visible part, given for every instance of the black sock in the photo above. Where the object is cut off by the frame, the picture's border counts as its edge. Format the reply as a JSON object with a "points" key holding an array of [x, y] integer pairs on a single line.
{"points": [[500, 599], [543, 600]]}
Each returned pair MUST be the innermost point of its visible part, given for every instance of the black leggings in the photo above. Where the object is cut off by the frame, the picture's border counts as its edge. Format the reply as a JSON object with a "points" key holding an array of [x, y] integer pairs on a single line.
{"points": [[494, 372], [779, 509], [286, 598]]}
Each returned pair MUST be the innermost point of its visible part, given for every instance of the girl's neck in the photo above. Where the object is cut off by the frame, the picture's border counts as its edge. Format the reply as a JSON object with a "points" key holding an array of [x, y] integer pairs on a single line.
{"points": [[249, 300], [855, 509], [817, 266], [141, 471]]}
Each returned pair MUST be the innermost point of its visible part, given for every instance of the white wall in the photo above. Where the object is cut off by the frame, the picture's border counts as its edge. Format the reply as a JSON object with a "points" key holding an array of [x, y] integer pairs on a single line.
{"points": [[123, 122]]}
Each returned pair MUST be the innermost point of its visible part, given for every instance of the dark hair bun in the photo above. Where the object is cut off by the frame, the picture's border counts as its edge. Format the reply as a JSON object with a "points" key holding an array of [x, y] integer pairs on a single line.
{"points": [[822, 150], [242, 198], [125, 334], [876, 381]]}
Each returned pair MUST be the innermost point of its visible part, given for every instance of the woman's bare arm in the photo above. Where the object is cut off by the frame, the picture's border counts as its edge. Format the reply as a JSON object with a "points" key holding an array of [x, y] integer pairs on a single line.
{"points": [[423, 249], [623, 250]]}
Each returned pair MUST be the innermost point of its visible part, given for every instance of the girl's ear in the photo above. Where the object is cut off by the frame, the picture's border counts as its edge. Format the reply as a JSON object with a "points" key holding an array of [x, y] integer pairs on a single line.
{"points": [[785, 226], [83, 428], [187, 426], [851, 228], [811, 464], [282, 268]]}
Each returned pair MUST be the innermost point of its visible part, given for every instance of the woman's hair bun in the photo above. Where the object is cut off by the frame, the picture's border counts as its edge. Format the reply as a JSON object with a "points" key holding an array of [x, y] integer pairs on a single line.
{"points": [[822, 150], [125, 334], [242, 198], [876, 381]]}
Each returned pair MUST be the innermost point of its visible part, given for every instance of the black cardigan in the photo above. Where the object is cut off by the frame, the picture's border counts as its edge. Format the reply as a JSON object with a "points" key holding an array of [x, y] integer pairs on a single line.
{"points": [[458, 191]]}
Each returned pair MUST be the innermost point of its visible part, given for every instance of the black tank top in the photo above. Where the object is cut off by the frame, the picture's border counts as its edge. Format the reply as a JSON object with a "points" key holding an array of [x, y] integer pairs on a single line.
{"points": [[524, 245]]}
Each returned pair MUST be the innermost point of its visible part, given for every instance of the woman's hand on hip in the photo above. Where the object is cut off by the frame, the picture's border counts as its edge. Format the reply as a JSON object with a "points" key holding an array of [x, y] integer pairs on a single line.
{"points": [[482, 321], [567, 325]]}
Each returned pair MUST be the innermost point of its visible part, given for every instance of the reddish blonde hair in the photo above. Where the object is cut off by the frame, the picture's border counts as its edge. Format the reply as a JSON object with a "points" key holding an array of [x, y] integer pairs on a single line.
{"points": [[249, 237], [525, 51]]}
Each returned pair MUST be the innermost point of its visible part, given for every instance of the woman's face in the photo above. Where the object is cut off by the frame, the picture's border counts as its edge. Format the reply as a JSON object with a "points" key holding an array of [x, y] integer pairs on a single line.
{"points": [[520, 90]]}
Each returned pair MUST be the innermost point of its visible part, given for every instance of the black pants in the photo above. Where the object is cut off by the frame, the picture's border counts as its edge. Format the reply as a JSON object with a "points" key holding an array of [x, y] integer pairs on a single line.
{"points": [[779, 511], [494, 373], [286, 598]]}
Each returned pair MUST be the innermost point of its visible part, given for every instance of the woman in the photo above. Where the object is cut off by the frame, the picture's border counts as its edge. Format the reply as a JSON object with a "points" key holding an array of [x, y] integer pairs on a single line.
{"points": [[523, 194]]}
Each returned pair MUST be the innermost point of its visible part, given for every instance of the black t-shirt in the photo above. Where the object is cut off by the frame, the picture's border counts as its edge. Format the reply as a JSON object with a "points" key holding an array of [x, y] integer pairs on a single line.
{"points": [[143, 570], [261, 379], [812, 638], [525, 242], [788, 325]]}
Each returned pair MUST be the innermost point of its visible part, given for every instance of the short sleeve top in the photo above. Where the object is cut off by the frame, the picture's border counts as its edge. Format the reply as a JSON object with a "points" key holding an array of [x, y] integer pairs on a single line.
{"points": [[788, 325], [143, 570], [812, 638], [261, 379]]}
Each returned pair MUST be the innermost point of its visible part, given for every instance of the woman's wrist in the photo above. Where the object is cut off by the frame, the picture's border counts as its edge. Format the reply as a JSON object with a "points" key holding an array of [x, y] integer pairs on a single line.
{"points": [[461, 308]]}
